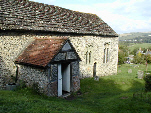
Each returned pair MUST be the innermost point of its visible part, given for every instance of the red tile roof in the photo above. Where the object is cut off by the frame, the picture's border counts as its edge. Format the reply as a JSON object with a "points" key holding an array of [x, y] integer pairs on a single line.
{"points": [[41, 51], [28, 15]]}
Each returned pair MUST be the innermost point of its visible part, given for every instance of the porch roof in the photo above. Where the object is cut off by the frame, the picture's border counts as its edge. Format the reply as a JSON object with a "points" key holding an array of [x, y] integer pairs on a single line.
{"points": [[41, 51]]}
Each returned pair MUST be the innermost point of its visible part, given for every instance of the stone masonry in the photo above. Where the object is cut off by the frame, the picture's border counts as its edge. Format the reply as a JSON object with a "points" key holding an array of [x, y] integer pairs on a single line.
{"points": [[13, 43]]}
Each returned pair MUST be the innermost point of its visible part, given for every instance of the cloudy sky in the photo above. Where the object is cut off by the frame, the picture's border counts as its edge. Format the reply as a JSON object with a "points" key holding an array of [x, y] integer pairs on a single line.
{"points": [[123, 16]]}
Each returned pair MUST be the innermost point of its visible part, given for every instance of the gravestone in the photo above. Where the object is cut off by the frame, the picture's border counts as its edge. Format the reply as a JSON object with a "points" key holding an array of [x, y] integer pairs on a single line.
{"points": [[147, 74], [129, 70], [94, 69], [10, 86], [96, 78], [140, 74], [136, 66], [119, 71]]}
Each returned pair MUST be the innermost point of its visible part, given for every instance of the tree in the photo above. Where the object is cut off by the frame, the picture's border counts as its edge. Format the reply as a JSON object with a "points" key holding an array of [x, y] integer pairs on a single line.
{"points": [[139, 58], [121, 57], [122, 54], [147, 58], [135, 50]]}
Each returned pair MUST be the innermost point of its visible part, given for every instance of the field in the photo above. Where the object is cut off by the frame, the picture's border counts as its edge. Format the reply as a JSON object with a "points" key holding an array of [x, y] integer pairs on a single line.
{"points": [[144, 37], [132, 46], [121, 93]]}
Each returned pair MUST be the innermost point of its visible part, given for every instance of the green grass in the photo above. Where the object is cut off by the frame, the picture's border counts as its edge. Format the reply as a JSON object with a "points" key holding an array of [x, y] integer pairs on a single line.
{"points": [[111, 94], [138, 45]]}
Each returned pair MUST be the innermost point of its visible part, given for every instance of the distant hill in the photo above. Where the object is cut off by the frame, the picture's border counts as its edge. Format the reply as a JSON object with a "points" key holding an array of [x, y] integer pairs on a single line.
{"points": [[136, 37]]}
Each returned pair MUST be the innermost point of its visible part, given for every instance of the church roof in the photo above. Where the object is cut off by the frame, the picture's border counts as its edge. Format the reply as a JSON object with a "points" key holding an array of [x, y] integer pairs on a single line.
{"points": [[28, 15], [40, 52]]}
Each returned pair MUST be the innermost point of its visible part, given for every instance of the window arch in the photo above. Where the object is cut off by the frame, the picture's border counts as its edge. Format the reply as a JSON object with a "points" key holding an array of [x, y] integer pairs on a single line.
{"points": [[89, 57], [86, 57], [106, 53]]}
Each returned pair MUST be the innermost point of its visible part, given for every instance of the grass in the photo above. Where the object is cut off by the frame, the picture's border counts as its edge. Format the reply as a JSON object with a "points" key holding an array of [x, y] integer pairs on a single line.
{"points": [[138, 45], [111, 94]]}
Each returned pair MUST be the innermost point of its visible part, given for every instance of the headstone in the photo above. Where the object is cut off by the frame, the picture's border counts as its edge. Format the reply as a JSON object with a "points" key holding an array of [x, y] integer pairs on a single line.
{"points": [[10, 86], [140, 74], [129, 70], [96, 78], [94, 69], [147, 74], [136, 66], [119, 71]]}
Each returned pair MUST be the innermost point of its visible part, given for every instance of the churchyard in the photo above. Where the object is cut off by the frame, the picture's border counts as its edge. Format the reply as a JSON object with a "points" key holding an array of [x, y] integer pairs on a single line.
{"points": [[120, 93]]}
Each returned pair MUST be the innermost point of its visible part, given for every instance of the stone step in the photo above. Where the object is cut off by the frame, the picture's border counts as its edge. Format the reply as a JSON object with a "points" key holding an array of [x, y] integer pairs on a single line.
{"points": [[66, 95]]}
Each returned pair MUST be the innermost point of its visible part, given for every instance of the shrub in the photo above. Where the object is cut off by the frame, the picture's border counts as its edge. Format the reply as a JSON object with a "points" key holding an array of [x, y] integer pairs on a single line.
{"points": [[148, 58], [121, 58], [139, 59], [35, 88], [134, 51], [148, 82], [21, 85], [122, 54]]}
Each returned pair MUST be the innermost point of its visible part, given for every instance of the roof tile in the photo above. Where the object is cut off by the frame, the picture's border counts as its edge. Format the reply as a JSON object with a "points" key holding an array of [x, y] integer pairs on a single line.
{"points": [[28, 15], [41, 51]]}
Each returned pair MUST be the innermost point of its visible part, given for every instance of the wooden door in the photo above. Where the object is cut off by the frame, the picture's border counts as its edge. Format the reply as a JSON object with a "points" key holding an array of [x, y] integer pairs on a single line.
{"points": [[59, 80]]}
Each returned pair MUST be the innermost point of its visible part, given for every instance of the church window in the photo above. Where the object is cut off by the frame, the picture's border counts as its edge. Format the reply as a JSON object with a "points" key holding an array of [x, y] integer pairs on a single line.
{"points": [[106, 54], [89, 57], [86, 55]]}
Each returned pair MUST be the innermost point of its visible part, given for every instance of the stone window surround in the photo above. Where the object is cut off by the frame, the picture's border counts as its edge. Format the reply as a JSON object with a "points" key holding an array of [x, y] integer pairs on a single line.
{"points": [[88, 56], [106, 57]]}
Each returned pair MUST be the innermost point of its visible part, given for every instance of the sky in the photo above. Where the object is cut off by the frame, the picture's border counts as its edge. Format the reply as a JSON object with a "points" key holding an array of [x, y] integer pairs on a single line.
{"points": [[124, 16]]}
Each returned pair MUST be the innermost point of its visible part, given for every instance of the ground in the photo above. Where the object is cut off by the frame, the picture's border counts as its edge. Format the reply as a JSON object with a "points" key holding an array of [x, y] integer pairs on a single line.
{"points": [[121, 93]]}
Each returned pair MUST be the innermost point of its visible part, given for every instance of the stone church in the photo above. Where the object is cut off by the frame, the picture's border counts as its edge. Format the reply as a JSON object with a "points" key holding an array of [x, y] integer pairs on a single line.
{"points": [[53, 47]]}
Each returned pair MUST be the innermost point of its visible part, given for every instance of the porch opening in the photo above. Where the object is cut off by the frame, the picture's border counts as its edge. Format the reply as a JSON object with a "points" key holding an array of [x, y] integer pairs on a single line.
{"points": [[64, 79]]}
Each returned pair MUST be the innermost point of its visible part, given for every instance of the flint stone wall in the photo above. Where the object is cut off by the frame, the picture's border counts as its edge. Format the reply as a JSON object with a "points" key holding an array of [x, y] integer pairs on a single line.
{"points": [[95, 45], [31, 75], [13, 43], [75, 86]]}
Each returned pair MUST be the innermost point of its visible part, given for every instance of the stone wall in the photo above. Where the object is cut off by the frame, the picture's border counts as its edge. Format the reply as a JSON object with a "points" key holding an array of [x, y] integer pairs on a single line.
{"points": [[31, 75], [13, 43], [75, 76], [95, 46]]}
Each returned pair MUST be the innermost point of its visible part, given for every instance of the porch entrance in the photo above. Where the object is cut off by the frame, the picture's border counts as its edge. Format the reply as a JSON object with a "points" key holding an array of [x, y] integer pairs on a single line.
{"points": [[63, 78]]}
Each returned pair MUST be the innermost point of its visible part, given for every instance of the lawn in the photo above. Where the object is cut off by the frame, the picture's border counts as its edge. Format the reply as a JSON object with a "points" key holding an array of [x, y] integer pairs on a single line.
{"points": [[121, 93]]}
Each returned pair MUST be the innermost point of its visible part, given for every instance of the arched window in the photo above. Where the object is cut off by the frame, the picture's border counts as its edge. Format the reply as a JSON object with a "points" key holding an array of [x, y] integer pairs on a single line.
{"points": [[89, 57], [106, 53], [104, 58], [86, 57]]}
